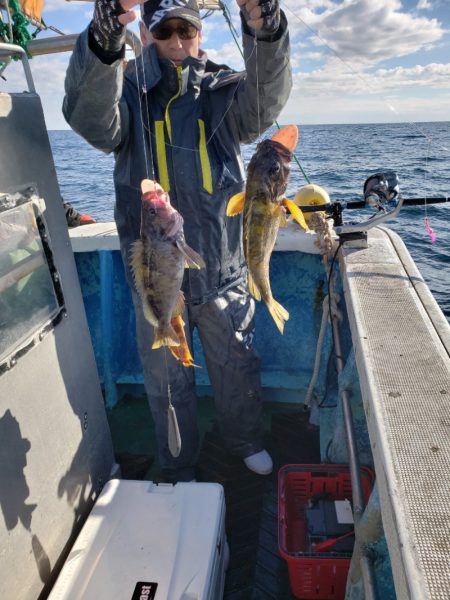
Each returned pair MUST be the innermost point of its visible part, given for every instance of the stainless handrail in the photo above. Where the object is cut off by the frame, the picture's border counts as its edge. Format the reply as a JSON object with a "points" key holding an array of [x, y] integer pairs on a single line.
{"points": [[366, 565], [66, 43], [10, 50], [202, 4]]}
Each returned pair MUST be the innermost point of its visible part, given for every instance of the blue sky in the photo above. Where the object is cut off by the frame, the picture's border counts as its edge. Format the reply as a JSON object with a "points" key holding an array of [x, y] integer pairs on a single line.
{"points": [[354, 61]]}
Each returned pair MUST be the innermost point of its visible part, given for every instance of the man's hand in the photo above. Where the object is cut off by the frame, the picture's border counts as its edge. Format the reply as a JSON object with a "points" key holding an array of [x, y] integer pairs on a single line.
{"points": [[263, 16], [110, 19]]}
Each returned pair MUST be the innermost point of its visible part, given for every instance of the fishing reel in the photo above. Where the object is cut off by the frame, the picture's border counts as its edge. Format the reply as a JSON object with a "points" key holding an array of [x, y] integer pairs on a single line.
{"points": [[382, 192]]}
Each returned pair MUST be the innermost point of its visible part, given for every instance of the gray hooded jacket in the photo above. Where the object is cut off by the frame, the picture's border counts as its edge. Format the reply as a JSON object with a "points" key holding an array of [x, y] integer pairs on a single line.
{"points": [[196, 117]]}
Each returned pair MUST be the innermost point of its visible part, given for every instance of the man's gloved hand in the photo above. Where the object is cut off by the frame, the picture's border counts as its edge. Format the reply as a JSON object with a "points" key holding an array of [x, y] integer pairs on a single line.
{"points": [[106, 29], [263, 16]]}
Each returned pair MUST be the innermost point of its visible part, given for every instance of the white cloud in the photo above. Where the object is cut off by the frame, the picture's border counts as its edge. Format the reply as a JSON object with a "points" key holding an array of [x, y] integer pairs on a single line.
{"points": [[424, 5], [309, 109], [365, 31], [334, 81], [227, 54], [312, 56], [355, 89], [436, 76], [332, 94]]}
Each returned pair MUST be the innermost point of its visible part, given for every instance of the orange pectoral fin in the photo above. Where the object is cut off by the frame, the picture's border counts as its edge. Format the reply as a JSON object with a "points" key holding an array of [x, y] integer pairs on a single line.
{"points": [[296, 213], [287, 136], [236, 204]]}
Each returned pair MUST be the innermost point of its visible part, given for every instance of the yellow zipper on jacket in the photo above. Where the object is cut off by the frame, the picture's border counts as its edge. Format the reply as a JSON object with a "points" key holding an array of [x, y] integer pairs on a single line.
{"points": [[204, 159], [161, 157], [177, 95], [161, 145]]}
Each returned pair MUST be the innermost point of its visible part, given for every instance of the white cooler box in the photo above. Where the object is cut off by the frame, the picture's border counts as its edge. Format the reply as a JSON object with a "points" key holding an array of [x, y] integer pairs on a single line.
{"points": [[144, 541]]}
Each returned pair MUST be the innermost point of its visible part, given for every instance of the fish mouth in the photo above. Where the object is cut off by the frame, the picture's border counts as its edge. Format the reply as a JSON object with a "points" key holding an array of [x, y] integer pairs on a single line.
{"points": [[267, 196], [154, 200]]}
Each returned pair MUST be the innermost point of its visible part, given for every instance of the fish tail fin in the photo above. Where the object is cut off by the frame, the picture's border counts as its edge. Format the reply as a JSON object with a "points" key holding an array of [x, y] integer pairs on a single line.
{"points": [[165, 336], [253, 288], [279, 314]]}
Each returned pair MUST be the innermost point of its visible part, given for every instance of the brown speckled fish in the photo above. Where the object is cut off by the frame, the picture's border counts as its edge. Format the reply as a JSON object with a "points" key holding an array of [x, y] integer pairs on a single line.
{"points": [[158, 260], [263, 205]]}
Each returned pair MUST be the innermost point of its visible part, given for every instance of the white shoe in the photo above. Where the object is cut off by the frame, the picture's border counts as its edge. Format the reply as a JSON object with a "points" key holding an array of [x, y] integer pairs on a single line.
{"points": [[260, 463]]}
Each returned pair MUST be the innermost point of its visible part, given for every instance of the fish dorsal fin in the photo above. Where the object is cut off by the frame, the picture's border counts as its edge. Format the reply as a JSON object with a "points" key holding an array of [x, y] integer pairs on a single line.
{"points": [[287, 137], [296, 212], [138, 271], [136, 252], [193, 259], [236, 204]]}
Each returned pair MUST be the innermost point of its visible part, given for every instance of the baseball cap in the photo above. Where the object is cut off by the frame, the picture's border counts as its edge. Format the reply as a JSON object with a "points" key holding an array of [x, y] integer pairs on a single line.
{"points": [[155, 12]]}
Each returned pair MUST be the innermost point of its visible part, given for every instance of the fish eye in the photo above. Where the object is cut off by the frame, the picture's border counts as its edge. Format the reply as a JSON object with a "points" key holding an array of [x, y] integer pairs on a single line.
{"points": [[276, 168]]}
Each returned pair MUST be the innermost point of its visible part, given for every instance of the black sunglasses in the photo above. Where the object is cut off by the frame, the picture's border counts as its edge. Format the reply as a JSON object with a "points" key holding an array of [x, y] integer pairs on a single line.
{"points": [[186, 31]]}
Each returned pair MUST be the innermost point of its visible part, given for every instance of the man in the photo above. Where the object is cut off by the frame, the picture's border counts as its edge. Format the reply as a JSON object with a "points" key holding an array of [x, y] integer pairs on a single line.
{"points": [[176, 117]]}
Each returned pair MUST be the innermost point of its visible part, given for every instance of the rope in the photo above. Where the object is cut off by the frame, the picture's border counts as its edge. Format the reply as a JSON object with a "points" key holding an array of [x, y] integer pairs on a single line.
{"points": [[16, 31], [6, 32], [323, 326], [20, 34], [319, 224]]}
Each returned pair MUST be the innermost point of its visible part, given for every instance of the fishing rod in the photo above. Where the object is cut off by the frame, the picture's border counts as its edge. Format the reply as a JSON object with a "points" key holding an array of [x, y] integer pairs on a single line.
{"points": [[331, 209], [382, 192]]}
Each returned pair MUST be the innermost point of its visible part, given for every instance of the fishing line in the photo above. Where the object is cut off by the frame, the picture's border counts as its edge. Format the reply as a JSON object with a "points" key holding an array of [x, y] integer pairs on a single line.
{"points": [[363, 79], [235, 35], [144, 90], [173, 430], [228, 108], [140, 106], [255, 44], [151, 134], [427, 224]]}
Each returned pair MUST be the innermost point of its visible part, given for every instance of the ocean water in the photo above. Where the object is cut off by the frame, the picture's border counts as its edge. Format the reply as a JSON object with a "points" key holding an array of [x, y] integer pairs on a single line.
{"points": [[337, 157]]}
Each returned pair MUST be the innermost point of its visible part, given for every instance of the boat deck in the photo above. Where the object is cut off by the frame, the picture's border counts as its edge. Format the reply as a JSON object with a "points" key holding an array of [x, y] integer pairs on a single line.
{"points": [[402, 349], [256, 570]]}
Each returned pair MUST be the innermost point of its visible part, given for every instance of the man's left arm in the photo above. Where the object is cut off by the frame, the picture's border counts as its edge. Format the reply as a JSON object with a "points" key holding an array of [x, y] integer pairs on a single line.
{"points": [[268, 80]]}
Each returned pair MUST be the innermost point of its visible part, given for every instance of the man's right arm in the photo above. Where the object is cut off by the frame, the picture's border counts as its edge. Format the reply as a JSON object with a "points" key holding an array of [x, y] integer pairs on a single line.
{"points": [[92, 104]]}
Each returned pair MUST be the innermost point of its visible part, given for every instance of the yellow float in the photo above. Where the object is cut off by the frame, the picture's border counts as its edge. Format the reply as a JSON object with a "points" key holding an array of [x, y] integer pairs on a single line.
{"points": [[309, 195]]}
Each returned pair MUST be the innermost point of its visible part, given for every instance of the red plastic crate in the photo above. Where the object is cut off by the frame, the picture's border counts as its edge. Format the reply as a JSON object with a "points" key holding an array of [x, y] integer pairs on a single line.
{"points": [[313, 575]]}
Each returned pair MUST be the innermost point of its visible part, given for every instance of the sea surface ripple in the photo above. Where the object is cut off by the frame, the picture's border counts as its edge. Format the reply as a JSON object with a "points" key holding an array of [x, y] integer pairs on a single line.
{"points": [[337, 157]]}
